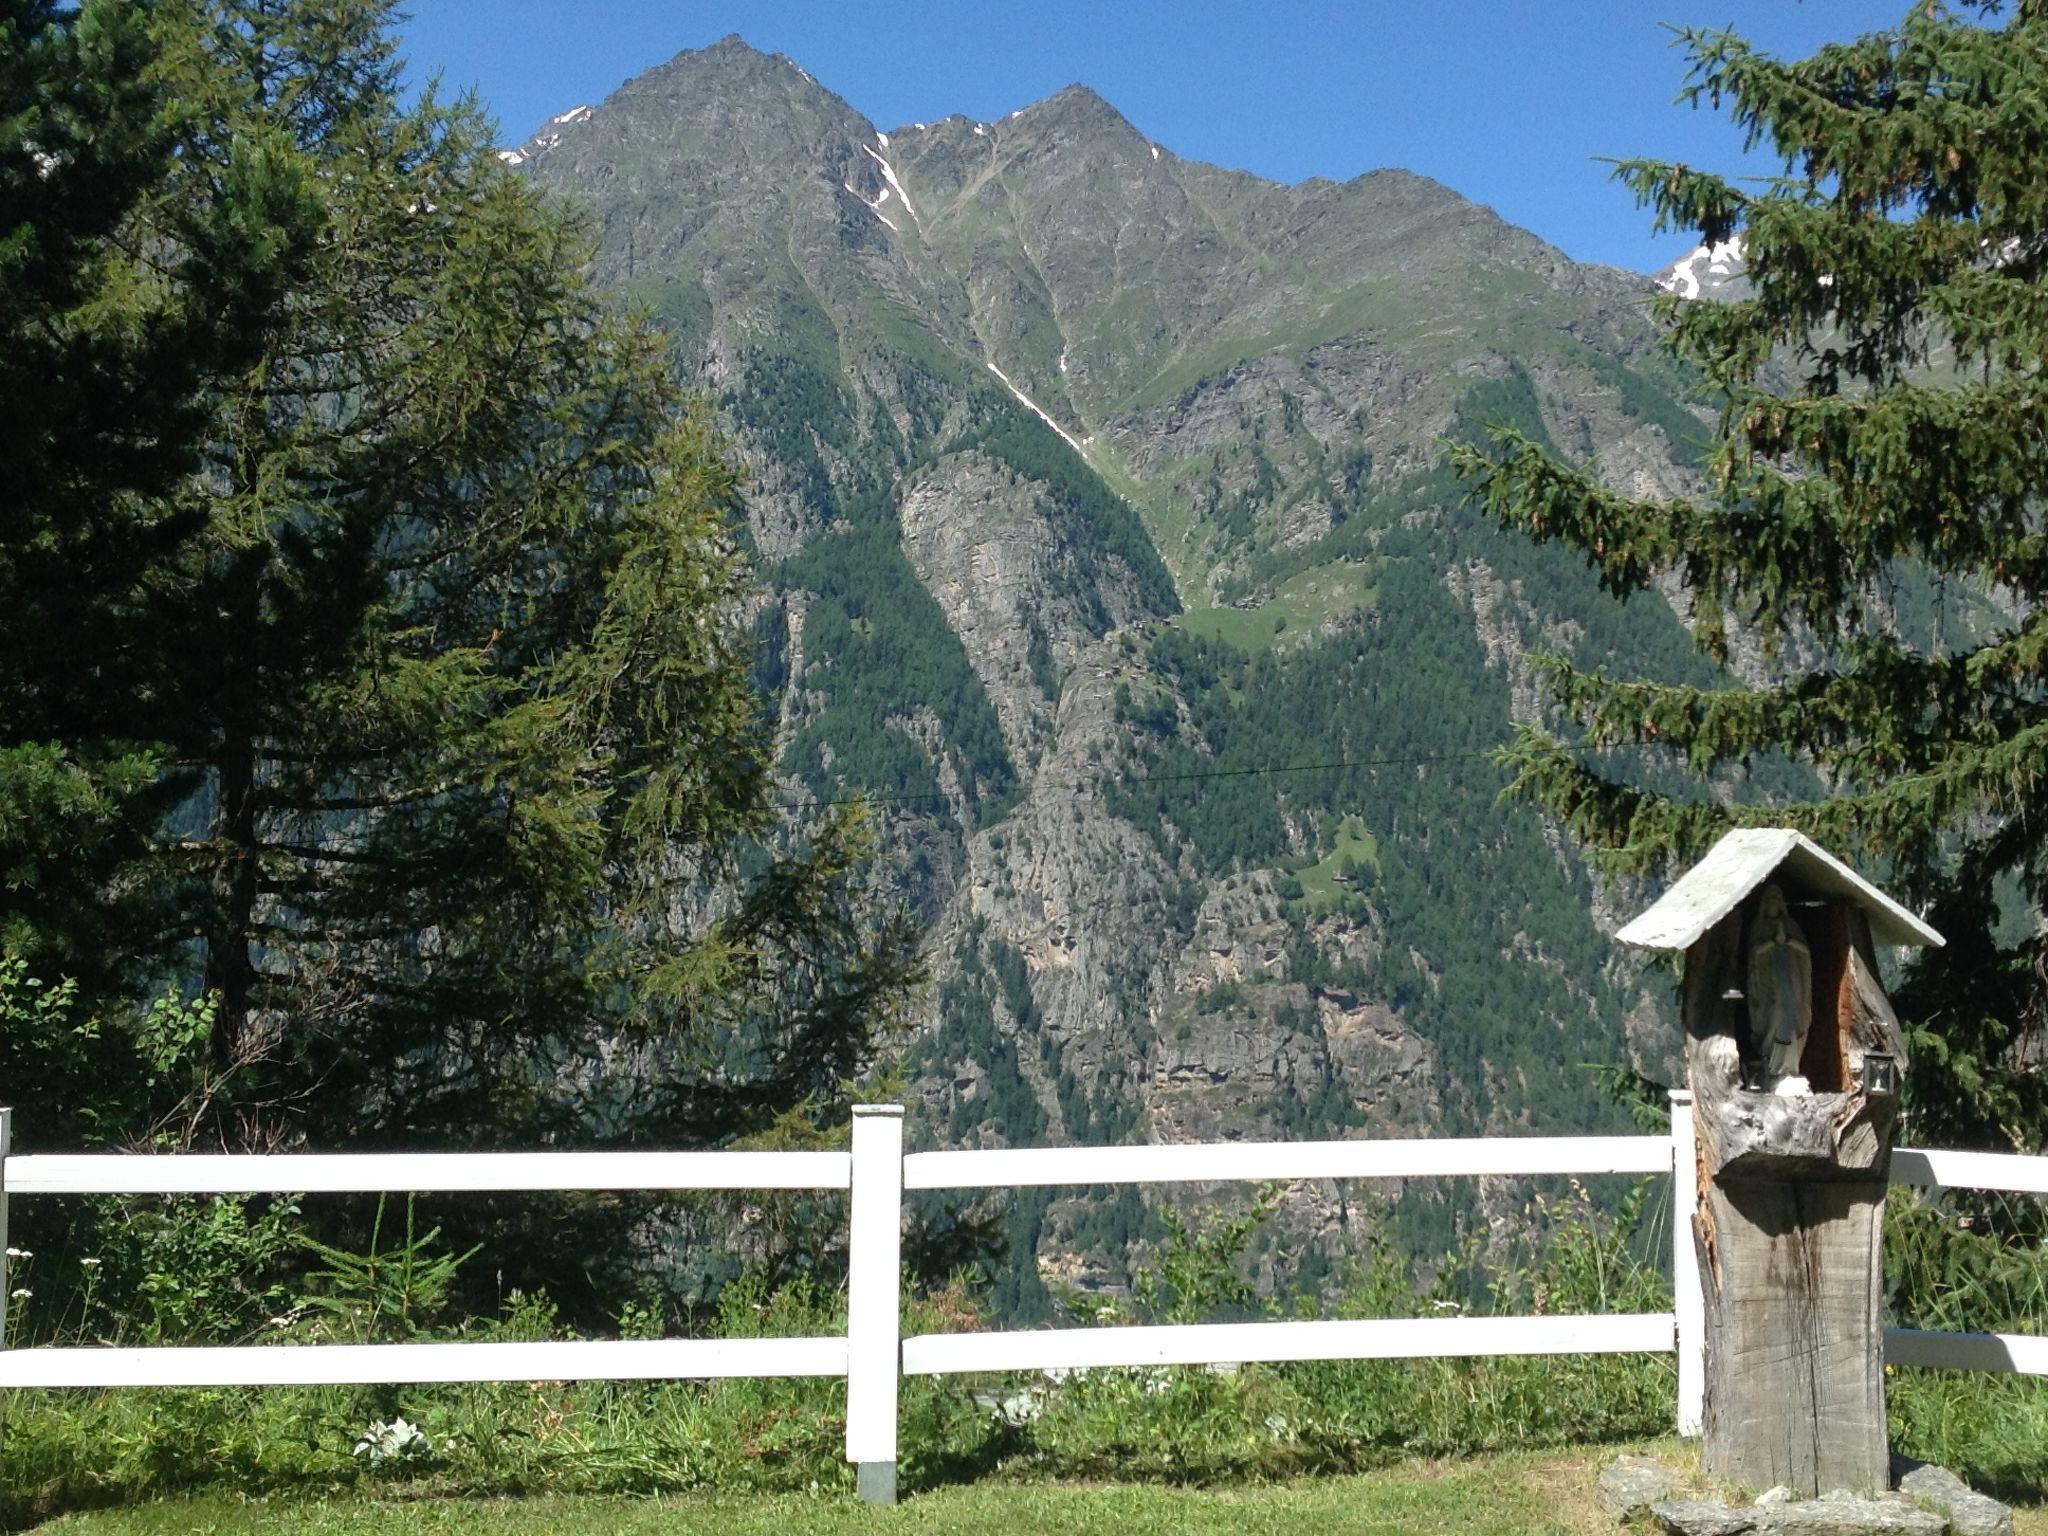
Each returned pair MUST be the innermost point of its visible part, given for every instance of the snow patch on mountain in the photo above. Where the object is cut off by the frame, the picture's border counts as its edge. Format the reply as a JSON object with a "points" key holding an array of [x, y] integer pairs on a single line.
{"points": [[1033, 406], [549, 136], [889, 175], [874, 207], [1707, 272]]}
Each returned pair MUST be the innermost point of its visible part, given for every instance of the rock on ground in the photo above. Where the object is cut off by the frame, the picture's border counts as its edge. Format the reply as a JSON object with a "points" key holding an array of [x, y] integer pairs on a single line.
{"points": [[1847, 1514], [1832, 1514], [1701, 1517], [1969, 1512], [1632, 1483]]}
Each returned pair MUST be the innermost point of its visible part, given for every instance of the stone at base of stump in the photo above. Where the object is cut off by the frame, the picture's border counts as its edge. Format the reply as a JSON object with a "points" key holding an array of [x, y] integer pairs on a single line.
{"points": [[1702, 1517], [1844, 1514], [1969, 1512], [1629, 1484]]}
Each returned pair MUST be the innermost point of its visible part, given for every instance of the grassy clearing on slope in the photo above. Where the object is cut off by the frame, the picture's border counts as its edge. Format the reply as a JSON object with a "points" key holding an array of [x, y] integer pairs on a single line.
{"points": [[1294, 614], [1524, 1494], [1320, 886]]}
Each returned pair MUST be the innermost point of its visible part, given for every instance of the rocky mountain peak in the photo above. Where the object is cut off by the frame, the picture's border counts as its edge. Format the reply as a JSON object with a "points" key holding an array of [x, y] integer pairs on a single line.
{"points": [[1074, 121], [1079, 105], [729, 99]]}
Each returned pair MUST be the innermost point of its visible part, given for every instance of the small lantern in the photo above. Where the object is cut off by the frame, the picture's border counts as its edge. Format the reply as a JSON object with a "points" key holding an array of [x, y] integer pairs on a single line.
{"points": [[1880, 1075]]}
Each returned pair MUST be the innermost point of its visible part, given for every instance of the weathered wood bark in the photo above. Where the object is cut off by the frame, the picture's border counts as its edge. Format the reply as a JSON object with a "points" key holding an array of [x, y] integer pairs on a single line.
{"points": [[1794, 1287], [1789, 1225]]}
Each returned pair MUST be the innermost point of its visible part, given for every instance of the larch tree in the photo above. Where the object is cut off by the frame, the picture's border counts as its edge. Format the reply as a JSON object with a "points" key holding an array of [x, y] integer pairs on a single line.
{"points": [[461, 815], [1883, 428]]}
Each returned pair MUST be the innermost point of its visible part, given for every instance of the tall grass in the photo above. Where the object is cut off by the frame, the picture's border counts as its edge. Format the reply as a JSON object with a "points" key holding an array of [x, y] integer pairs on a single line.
{"points": [[68, 1450], [1970, 1264], [63, 1450]]}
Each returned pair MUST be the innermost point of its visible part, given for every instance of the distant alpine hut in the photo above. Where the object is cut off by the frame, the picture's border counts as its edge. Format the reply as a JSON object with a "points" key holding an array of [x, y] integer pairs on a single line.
{"points": [[1795, 1060]]}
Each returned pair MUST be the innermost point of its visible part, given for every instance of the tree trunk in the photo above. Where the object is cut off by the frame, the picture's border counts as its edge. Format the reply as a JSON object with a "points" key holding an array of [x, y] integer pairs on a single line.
{"points": [[1794, 1290], [230, 966]]}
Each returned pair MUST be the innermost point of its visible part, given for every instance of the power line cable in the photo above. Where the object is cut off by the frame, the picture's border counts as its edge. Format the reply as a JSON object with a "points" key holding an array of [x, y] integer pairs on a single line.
{"points": [[1078, 788]]}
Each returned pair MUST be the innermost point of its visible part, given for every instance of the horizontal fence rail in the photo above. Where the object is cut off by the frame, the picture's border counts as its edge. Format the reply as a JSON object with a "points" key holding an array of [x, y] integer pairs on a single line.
{"points": [[1393, 1338], [2013, 1353], [1995, 1171], [309, 1365], [1258, 1162], [421, 1172], [872, 1356]]}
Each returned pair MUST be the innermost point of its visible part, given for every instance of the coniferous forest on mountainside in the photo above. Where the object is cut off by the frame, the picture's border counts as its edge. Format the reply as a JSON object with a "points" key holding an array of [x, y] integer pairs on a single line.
{"points": [[1148, 613]]}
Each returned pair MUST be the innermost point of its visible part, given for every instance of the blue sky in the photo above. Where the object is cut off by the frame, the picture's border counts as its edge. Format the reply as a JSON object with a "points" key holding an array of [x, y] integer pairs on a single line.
{"points": [[1507, 101]]}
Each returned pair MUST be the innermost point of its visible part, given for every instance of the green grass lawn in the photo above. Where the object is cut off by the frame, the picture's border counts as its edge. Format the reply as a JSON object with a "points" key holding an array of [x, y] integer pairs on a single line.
{"points": [[1518, 1495], [1533, 1493]]}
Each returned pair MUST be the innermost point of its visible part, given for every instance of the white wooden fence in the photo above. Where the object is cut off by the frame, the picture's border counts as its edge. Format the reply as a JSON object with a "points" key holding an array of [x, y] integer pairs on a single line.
{"points": [[873, 1356]]}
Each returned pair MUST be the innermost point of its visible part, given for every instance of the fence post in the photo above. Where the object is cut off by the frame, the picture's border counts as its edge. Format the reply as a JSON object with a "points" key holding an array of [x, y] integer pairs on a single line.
{"points": [[1689, 1301], [6, 1140], [874, 1265]]}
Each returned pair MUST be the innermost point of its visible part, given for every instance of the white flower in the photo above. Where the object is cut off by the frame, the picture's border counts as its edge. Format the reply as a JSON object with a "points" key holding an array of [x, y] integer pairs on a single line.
{"points": [[19, 1253], [396, 1441], [21, 1293], [90, 1263]]}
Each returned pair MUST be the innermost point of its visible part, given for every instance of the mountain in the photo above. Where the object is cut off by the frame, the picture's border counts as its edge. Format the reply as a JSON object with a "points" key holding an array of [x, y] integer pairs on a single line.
{"points": [[1097, 499]]}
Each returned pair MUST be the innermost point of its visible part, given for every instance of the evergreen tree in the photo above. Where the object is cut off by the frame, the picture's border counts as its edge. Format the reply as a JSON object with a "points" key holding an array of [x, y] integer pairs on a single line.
{"points": [[144, 253], [464, 824], [1883, 405]]}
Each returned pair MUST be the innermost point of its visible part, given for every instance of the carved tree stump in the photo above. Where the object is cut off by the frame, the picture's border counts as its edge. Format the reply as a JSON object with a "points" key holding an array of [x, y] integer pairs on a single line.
{"points": [[1790, 1222], [1795, 1342]]}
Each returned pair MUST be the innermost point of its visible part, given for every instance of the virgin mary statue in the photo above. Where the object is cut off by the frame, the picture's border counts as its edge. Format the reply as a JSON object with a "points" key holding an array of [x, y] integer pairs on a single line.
{"points": [[1780, 990]]}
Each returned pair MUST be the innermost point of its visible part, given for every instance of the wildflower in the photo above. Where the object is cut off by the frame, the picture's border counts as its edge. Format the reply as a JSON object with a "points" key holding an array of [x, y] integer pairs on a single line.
{"points": [[395, 1441], [19, 1253], [21, 1293], [90, 1263]]}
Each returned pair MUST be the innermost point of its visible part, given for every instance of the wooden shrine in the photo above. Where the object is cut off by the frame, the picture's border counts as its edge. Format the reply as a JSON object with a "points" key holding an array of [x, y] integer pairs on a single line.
{"points": [[1795, 1060]]}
